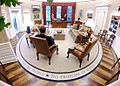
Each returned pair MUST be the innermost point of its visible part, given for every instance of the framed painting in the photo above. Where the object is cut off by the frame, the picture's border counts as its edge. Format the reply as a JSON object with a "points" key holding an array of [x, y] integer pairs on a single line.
{"points": [[81, 13], [36, 11]]}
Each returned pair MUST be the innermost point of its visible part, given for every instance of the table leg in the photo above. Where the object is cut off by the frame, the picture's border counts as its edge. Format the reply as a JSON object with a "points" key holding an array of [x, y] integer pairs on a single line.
{"points": [[27, 42]]}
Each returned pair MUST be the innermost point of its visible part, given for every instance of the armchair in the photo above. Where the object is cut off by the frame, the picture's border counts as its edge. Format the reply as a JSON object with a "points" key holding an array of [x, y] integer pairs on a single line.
{"points": [[78, 22], [42, 47], [81, 51]]}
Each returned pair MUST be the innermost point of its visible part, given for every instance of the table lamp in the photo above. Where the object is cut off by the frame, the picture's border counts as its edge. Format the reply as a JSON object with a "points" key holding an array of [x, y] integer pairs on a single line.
{"points": [[90, 25]]}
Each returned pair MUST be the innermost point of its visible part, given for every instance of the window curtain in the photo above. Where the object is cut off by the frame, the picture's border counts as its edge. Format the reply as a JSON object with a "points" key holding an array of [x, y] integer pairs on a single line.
{"points": [[53, 9], [44, 12], [64, 7], [63, 11]]}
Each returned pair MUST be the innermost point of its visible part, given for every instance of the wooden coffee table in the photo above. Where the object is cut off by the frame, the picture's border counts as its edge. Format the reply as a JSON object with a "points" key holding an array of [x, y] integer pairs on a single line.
{"points": [[59, 35]]}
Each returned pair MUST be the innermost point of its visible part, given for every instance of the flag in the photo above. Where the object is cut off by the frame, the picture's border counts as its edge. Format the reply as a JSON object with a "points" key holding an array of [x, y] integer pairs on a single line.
{"points": [[52, 16]]}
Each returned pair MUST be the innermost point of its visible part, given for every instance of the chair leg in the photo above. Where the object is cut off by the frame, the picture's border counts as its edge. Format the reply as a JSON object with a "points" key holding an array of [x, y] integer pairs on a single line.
{"points": [[68, 54], [88, 57], [49, 60], [110, 44], [104, 39], [107, 42], [37, 56], [80, 62], [27, 42], [57, 51]]}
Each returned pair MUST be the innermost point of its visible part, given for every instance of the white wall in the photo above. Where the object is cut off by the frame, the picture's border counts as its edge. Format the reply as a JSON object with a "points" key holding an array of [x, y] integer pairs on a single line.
{"points": [[85, 6], [113, 10], [27, 6], [113, 7]]}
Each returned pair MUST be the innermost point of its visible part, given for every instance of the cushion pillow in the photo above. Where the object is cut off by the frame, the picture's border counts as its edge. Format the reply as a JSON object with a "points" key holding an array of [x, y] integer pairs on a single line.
{"points": [[75, 26]]}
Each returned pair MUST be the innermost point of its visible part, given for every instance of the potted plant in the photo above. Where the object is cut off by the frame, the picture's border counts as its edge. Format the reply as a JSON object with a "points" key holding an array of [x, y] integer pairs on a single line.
{"points": [[7, 3], [50, 2]]}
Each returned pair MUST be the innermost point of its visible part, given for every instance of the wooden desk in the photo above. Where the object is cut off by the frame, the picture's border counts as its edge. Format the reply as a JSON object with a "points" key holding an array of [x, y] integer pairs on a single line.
{"points": [[59, 24]]}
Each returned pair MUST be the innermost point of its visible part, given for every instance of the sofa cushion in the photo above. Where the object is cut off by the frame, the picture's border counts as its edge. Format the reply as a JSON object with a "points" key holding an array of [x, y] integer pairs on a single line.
{"points": [[75, 26], [74, 33]]}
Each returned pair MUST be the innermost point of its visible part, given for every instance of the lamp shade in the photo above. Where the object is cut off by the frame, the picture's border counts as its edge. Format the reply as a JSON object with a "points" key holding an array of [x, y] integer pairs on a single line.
{"points": [[90, 23]]}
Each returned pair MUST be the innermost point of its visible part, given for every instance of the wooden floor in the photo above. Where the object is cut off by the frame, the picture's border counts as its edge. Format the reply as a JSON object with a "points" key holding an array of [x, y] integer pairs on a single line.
{"points": [[19, 77]]}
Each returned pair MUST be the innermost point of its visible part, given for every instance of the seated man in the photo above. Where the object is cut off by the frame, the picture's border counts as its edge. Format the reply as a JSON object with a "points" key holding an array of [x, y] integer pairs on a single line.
{"points": [[65, 17], [49, 39]]}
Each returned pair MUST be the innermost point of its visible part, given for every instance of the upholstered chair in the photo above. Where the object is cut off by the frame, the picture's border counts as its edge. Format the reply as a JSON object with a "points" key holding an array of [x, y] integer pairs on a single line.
{"points": [[42, 47], [79, 23], [82, 51], [110, 40], [81, 39]]}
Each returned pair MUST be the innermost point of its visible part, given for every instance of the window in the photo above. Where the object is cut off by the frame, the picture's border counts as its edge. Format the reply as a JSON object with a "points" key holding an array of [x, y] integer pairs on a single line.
{"points": [[58, 12], [69, 14], [48, 18], [14, 18]]}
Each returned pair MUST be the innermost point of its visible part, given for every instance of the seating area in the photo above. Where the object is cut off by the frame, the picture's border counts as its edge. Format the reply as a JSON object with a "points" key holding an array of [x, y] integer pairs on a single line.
{"points": [[59, 43]]}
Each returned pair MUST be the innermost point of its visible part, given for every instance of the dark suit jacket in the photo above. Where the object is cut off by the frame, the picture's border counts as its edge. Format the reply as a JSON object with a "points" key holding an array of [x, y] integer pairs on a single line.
{"points": [[49, 39]]}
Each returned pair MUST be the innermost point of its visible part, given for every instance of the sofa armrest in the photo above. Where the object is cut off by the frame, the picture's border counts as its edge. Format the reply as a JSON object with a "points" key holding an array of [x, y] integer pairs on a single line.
{"points": [[52, 46]]}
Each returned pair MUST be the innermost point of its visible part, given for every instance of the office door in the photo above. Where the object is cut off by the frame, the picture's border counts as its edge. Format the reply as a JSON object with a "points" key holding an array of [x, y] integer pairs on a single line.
{"points": [[100, 19]]}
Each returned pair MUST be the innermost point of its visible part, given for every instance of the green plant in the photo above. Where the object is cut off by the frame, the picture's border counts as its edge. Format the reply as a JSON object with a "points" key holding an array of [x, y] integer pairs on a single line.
{"points": [[6, 3], [9, 2], [2, 23], [50, 1]]}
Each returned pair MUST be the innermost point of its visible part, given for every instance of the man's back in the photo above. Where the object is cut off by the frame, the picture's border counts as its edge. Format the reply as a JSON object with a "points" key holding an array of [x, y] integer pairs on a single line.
{"points": [[49, 39]]}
